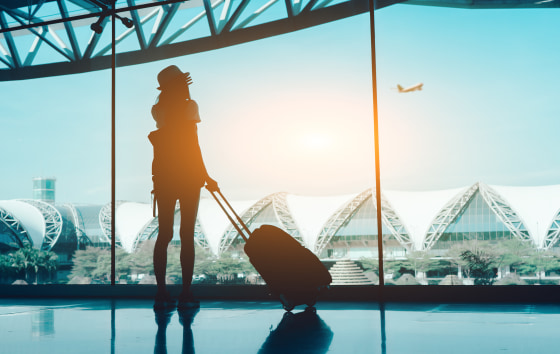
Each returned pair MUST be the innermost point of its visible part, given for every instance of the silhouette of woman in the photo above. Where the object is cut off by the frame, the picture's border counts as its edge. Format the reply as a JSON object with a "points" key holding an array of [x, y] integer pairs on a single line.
{"points": [[178, 173]]}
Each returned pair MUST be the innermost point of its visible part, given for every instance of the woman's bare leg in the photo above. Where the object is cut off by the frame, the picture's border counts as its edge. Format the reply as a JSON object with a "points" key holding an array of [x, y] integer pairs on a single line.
{"points": [[189, 210], [166, 210]]}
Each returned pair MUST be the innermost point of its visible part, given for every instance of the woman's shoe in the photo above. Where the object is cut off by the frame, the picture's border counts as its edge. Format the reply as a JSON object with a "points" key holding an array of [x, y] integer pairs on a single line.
{"points": [[163, 301], [187, 301]]}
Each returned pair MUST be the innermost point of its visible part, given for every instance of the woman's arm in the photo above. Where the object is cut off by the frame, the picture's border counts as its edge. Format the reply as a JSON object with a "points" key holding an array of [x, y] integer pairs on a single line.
{"points": [[211, 184]]}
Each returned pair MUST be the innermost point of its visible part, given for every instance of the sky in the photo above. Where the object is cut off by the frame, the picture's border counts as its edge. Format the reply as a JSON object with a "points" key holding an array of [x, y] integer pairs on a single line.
{"points": [[293, 113]]}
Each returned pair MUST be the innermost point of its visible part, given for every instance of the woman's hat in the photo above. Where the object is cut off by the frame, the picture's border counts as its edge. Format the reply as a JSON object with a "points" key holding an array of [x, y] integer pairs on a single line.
{"points": [[170, 75]]}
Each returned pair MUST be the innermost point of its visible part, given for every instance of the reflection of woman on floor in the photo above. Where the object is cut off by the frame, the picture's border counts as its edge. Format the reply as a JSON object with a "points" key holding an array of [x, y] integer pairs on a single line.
{"points": [[303, 332], [178, 173], [163, 317], [186, 319]]}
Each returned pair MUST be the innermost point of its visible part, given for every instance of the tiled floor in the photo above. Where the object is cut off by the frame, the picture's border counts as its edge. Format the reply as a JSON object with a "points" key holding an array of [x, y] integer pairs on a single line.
{"points": [[131, 326]]}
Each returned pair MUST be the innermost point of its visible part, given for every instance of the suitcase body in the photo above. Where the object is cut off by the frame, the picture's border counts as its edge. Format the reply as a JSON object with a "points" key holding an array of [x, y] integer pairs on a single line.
{"points": [[292, 272]]}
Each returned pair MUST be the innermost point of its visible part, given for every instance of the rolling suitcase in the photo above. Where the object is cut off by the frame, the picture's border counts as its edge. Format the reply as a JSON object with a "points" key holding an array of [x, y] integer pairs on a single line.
{"points": [[292, 272]]}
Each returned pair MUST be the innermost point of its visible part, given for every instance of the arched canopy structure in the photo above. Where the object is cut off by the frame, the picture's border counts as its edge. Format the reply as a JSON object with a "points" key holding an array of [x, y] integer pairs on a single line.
{"points": [[311, 213], [341, 224], [447, 215], [12, 232], [150, 230], [506, 212], [431, 221], [531, 212], [87, 221], [30, 218], [272, 209], [79, 227], [53, 222], [479, 214], [105, 222], [131, 218], [339, 218]]}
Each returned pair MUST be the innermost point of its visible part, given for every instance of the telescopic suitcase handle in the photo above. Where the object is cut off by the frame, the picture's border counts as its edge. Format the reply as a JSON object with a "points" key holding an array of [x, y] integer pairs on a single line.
{"points": [[229, 211]]}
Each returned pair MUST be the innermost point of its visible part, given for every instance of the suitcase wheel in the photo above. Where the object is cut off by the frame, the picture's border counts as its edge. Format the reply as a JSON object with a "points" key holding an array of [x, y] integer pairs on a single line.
{"points": [[310, 309], [286, 304]]}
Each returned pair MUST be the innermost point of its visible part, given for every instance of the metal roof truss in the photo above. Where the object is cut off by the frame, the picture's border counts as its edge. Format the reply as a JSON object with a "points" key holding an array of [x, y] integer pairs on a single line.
{"points": [[53, 222]]}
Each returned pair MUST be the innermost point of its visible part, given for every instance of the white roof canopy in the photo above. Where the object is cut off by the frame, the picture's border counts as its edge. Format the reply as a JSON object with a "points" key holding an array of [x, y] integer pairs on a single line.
{"points": [[536, 206], [417, 210]]}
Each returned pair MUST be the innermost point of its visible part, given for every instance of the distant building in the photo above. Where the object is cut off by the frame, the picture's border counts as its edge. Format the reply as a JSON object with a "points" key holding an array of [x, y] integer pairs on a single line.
{"points": [[44, 189]]}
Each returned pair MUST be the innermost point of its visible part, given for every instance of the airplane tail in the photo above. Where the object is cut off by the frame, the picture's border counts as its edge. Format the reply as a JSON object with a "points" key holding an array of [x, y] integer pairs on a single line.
{"points": [[400, 88]]}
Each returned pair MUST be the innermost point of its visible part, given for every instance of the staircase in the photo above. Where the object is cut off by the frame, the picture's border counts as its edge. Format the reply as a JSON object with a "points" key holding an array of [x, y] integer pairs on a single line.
{"points": [[346, 272]]}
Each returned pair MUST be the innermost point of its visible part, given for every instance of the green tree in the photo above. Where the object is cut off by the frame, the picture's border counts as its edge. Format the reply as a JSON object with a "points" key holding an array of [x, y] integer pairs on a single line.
{"points": [[539, 261], [6, 269], [420, 261], [142, 260], [28, 262], [370, 265], [48, 262], [513, 252], [398, 268], [85, 262], [455, 254], [95, 263], [174, 263], [480, 262], [225, 268]]}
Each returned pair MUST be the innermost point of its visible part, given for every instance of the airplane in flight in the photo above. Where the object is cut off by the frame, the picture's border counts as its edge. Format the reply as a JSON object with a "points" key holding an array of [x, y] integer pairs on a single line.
{"points": [[417, 87]]}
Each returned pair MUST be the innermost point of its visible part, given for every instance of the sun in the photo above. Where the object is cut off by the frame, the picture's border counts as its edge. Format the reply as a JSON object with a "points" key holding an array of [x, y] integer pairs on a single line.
{"points": [[315, 141]]}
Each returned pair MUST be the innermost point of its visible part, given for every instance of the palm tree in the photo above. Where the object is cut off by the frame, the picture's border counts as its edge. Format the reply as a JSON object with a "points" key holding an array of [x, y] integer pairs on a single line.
{"points": [[27, 262], [5, 267], [48, 261]]}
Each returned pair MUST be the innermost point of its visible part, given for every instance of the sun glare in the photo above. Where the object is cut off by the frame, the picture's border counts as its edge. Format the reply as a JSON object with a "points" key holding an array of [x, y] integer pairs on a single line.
{"points": [[315, 141]]}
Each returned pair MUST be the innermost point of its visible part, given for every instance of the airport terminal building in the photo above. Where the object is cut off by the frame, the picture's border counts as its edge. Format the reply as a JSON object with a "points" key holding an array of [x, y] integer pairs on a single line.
{"points": [[333, 227]]}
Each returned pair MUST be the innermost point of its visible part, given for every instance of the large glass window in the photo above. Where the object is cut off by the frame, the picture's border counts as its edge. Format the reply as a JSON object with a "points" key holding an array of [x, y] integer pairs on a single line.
{"points": [[466, 116], [56, 132]]}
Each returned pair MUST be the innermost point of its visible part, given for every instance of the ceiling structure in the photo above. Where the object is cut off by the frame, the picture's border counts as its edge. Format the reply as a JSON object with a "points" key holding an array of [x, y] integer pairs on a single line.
{"points": [[42, 38]]}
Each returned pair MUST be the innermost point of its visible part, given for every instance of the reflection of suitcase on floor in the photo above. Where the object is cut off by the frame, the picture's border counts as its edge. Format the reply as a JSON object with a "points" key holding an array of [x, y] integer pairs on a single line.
{"points": [[291, 271]]}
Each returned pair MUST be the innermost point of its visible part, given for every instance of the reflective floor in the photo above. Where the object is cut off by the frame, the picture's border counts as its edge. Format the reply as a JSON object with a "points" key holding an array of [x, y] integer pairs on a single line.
{"points": [[132, 326]]}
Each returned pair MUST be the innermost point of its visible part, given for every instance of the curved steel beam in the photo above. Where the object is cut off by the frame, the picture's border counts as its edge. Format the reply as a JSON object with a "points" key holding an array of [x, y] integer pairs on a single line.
{"points": [[83, 239], [447, 215], [553, 234], [53, 222], [151, 229], [20, 235], [105, 223], [340, 218], [228, 23], [392, 221], [343, 216], [234, 25], [489, 4], [284, 215], [505, 213], [248, 216]]}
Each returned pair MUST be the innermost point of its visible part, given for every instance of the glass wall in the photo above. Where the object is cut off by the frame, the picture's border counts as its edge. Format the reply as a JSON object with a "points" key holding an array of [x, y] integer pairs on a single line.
{"points": [[466, 122], [467, 118], [56, 135], [278, 132]]}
